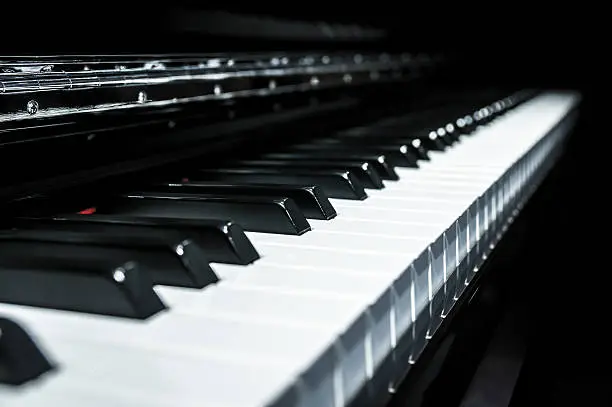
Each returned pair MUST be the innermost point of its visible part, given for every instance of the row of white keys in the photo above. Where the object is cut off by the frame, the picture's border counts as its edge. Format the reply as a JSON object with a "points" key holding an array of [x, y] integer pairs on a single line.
{"points": [[276, 311], [363, 235], [527, 142]]}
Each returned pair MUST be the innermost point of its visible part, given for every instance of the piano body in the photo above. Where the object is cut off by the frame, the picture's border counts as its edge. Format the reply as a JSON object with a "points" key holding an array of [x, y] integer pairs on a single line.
{"points": [[261, 227]]}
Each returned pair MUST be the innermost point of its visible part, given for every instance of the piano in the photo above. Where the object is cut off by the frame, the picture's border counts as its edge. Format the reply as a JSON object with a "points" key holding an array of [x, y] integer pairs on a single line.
{"points": [[259, 228]]}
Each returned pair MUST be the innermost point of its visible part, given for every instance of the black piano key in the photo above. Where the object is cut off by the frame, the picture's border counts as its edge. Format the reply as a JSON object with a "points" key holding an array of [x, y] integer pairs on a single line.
{"points": [[398, 154], [374, 136], [452, 132], [220, 241], [335, 184], [21, 360], [436, 136], [377, 161], [257, 214], [310, 199], [406, 149], [90, 285], [440, 135], [418, 149], [428, 119], [464, 123], [470, 125], [170, 259], [367, 174]]}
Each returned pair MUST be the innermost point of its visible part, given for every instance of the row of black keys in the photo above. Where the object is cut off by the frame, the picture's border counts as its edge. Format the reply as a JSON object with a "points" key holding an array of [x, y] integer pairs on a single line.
{"points": [[107, 262]]}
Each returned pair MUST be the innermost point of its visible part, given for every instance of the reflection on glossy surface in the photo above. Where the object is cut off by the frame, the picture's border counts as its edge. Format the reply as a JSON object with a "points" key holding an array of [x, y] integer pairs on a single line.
{"points": [[180, 79]]}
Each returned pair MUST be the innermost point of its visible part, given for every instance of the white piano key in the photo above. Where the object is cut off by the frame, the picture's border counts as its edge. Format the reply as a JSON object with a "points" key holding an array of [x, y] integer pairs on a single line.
{"points": [[403, 203], [177, 334], [288, 307], [328, 281], [374, 236], [424, 180], [173, 295], [64, 391], [188, 337], [416, 217], [319, 256], [446, 189], [457, 199], [330, 312], [148, 378]]}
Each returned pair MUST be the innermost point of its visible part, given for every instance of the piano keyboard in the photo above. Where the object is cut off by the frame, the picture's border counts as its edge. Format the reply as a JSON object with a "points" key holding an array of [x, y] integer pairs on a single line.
{"points": [[332, 286]]}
